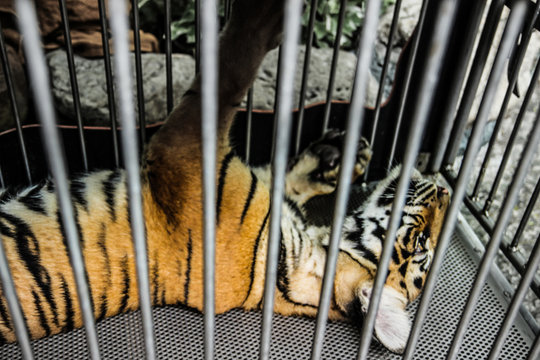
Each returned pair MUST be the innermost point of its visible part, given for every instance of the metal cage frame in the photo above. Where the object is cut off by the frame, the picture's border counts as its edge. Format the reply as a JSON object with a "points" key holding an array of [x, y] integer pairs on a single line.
{"points": [[431, 88]]}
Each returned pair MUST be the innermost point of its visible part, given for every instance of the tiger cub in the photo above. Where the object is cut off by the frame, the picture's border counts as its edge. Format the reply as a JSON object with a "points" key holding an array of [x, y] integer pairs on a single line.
{"points": [[34, 240]]}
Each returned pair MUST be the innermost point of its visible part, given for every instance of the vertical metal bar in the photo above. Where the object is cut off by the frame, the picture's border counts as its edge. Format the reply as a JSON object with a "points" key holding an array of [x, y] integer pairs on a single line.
{"points": [[355, 121], [382, 79], [138, 71], [17, 317], [197, 36], [436, 51], [293, 11], [276, 101], [109, 78], [516, 301], [74, 83], [456, 83], [119, 28], [460, 189], [2, 183], [534, 354], [407, 83], [333, 66], [512, 138], [498, 233], [305, 76], [209, 113], [509, 90], [475, 74], [526, 216], [249, 121], [14, 108], [37, 71], [168, 56]]}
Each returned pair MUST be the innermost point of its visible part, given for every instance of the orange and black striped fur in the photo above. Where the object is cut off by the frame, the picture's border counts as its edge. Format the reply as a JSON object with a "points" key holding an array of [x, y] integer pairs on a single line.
{"points": [[33, 237]]}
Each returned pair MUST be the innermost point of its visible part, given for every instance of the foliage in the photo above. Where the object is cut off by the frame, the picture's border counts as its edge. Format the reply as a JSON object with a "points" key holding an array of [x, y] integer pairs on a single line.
{"points": [[325, 27]]}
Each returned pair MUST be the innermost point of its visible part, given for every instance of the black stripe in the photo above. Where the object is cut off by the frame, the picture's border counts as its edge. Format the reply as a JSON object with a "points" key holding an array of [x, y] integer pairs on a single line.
{"points": [[251, 193], [325, 247], [41, 313], [395, 256], [221, 182], [78, 192], [34, 201], [70, 313], [29, 252], [418, 282], [125, 281], [109, 189], [366, 253], [155, 280], [403, 268], [102, 237], [428, 195], [188, 269], [4, 315], [253, 260], [294, 207]]}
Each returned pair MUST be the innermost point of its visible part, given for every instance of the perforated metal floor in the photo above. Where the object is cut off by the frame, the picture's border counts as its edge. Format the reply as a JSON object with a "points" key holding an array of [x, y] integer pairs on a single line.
{"points": [[180, 331]]}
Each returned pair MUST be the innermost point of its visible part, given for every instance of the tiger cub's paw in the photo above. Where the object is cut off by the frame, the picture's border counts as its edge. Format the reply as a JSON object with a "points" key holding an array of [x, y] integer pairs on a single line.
{"points": [[328, 149], [315, 171]]}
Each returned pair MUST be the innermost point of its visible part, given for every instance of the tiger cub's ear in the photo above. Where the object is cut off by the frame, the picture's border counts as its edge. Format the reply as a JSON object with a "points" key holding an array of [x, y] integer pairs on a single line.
{"points": [[392, 323]]}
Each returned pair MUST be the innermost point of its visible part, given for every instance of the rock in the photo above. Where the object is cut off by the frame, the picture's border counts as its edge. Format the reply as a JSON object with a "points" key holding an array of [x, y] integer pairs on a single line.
{"points": [[18, 79], [319, 74], [93, 86]]}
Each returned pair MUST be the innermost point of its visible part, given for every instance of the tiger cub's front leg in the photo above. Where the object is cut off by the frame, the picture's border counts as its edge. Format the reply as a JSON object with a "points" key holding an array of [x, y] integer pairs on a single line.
{"points": [[315, 171]]}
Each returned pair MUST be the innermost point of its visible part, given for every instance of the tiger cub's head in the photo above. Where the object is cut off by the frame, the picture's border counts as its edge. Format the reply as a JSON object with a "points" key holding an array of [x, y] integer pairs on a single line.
{"points": [[414, 247]]}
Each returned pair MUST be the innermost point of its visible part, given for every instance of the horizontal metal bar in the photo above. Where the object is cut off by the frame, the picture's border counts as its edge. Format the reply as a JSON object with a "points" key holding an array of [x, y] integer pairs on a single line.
{"points": [[119, 28], [73, 82], [305, 75], [209, 113], [14, 108], [461, 185], [407, 83], [437, 48], [511, 197], [37, 70], [14, 306], [516, 301], [333, 66], [109, 79], [355, 120], [287, 65]]}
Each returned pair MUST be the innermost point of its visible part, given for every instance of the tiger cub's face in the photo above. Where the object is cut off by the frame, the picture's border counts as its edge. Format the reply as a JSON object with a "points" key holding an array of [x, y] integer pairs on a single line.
{"points": [[413, 251]]}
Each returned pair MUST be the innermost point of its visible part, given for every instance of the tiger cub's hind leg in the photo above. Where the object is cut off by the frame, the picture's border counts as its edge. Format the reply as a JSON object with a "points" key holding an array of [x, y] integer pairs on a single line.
{"points": [[315, 171]]}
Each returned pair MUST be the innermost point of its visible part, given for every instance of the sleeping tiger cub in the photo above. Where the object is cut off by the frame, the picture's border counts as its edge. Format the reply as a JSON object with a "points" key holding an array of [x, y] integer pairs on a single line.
{"points": [[33, 235]]}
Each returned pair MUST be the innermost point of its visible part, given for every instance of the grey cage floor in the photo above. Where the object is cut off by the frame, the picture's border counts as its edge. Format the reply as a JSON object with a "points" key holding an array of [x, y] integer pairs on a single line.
{"points": [[179, 331]]}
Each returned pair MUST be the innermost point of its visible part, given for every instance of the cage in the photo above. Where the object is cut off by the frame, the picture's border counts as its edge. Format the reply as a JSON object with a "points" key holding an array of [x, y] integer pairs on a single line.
{"points": [[436, 114]]}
